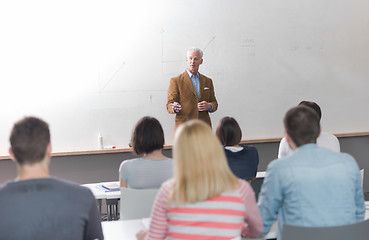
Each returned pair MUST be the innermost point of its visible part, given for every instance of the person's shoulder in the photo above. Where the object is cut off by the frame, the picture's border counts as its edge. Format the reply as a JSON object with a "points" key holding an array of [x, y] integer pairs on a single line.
{"points": [[130, 162], [180, 76], [279, 168], [242, 183], [68, 186], [243, 187], [283, 141], [227, 151], [63, 183], [167, 187], [82, 197], [280, 164], [168, 160], [168, 184], [5, 186], [345, 157], [284, 149], [204, 77], [337, 157], [249, 148]]}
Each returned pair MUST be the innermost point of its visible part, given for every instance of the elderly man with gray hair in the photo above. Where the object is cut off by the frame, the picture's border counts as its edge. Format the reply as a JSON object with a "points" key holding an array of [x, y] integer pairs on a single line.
{"points": [[191, 94]]}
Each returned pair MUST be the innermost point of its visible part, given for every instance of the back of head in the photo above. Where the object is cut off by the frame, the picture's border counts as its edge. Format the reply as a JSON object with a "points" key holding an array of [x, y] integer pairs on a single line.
{"points": [[312, 105], [147, 136], [194, 49], [29, 139], [302, 125], [229, 132], [201, 169]]}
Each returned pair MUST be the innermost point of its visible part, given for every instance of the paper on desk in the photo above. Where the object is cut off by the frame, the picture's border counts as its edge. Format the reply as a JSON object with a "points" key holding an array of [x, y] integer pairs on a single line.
{"points": [[111, 186], [108, 187]]}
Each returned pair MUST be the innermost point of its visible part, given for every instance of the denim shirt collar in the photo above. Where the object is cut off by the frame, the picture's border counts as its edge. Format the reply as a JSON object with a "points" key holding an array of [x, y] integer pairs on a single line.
{"points": [[190, 74]]}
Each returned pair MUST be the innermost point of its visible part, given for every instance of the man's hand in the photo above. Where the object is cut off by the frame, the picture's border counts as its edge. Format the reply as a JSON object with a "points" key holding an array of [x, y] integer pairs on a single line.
{"points": [[176, 107], [203, 106]]}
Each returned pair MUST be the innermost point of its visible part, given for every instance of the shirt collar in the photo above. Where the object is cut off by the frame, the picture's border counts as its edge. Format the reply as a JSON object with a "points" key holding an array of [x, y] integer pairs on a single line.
{"points": [[308, 146], [190, 74]]}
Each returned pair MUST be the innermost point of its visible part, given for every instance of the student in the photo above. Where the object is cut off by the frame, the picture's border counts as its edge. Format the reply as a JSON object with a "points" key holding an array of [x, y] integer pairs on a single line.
{"points": [[243, 161], [151, 170], [325, 139], [36, 206], [314, 186], [203, 200]]}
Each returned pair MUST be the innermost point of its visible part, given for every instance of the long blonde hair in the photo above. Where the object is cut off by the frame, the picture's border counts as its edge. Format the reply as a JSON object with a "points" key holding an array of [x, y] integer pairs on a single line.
{"points": [[200, 167]]}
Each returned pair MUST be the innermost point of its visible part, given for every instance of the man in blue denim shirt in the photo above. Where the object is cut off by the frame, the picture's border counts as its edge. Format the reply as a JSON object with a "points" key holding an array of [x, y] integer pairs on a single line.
{"points": [[314, 186]]}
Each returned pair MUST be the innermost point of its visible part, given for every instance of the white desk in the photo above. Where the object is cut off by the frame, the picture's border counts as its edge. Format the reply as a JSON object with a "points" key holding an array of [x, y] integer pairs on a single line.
{"points": [[118, 230], [111, 198], [99, 194]]}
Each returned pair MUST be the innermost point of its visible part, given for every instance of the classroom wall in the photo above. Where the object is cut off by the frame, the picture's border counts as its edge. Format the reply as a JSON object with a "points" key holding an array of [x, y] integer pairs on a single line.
{"points": [[104, 167], [108, 63]]}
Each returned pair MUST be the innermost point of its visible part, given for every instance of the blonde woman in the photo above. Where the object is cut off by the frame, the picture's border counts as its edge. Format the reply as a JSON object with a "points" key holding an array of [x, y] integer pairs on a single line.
{"points": [[203, 200]]}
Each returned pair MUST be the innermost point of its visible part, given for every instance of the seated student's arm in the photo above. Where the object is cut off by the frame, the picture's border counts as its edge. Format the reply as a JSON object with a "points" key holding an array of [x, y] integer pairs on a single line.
{"points": [[270, 198], [173, 95], [123, 174], [252, 215], [123, 183], [159, 223], [284, 149]]}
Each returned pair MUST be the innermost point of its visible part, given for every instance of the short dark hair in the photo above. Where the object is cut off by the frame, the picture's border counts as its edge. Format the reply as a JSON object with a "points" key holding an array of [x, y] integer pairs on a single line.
{"points": [[147, 136], [302, 124], [229, 132], [312, 105], [29, 139]]}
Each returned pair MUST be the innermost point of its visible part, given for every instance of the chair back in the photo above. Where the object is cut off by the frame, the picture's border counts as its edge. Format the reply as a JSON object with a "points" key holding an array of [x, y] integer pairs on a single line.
{"points": [[136, 203], [346, 232]]}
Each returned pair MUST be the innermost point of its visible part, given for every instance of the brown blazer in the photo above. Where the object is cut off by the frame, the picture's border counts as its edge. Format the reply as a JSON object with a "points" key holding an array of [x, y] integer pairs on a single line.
{"points": [[181, 90]]}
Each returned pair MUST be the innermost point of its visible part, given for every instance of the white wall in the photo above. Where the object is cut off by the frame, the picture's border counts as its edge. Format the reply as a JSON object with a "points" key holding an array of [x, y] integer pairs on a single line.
{"points": [[98, 66]]}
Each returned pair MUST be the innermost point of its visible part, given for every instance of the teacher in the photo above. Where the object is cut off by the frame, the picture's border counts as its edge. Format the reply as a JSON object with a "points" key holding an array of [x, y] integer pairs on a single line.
{"points": [[191, 94]]}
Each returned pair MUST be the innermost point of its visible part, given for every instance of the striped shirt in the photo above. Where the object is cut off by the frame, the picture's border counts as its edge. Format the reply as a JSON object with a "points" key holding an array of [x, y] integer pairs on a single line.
{"points": [[226, 216]]}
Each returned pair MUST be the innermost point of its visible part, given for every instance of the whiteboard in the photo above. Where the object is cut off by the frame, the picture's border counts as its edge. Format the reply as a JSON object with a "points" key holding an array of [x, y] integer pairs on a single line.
{"points": [[90, 67]]}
